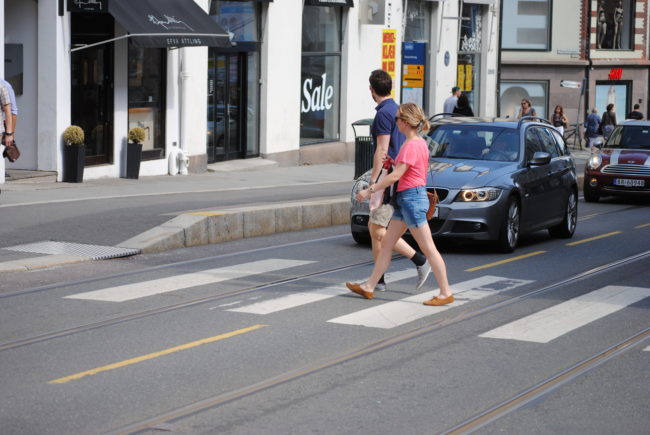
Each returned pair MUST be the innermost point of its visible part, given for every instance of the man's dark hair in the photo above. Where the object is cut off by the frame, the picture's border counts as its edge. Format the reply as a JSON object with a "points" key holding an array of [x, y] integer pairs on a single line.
{"points": [[381, 82], [636, 107]]}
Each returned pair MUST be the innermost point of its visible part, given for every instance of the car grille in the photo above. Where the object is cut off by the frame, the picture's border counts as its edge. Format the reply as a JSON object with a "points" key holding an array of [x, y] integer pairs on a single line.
{"points": [[442, 193], [626, 169]]}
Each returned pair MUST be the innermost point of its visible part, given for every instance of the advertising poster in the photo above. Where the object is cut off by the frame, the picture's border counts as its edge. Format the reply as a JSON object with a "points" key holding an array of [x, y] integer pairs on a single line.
{"points": [[388, 53], [413, 67]]}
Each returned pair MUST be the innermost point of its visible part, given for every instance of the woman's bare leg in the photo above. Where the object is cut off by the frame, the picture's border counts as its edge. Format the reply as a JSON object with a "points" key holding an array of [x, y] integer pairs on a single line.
{"points": [[422, 235]]}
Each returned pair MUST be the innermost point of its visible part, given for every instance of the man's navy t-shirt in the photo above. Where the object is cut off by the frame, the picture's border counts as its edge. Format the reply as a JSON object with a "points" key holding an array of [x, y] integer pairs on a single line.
{"points": [[384, 123]]}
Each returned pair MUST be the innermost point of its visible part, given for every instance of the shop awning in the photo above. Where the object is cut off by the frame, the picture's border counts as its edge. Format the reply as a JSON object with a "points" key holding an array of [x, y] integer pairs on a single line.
{"points": [[167, 23], [346, 3]]}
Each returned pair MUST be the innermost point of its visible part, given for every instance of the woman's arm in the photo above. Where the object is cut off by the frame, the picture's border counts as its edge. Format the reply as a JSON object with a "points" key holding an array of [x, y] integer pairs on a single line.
{"points": [[389, 179]]}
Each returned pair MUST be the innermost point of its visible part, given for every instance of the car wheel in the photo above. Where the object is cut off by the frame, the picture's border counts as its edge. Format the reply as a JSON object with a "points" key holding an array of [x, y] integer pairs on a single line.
{"points": [[567, 227], [509, 235], [589, 193], [362, 238]]}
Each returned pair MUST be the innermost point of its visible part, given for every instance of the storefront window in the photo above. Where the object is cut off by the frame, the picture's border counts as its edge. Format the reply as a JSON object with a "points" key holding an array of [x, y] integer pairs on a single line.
{"points": [[238, 18], [147, 97], [417, 21], [526, 24], [321, 73], [469, 53], [616, 93], [615, 24], [512, 92]]}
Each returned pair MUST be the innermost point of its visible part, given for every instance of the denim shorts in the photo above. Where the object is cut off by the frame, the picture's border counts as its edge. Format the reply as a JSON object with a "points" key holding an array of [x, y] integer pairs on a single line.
{"points": [[412, 206]]}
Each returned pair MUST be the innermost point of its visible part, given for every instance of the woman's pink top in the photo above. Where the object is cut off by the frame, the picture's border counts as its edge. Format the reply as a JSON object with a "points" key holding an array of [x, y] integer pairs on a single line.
{"points": [[415, 153]]}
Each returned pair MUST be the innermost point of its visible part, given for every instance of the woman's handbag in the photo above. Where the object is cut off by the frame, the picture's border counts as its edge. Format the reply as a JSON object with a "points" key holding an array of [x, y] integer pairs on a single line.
{"points": [[11, 152], [433, 202]]}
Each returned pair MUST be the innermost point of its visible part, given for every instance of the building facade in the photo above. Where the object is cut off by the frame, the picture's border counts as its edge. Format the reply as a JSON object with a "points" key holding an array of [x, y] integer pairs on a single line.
{"points": [[287, 87], [580, 54]]}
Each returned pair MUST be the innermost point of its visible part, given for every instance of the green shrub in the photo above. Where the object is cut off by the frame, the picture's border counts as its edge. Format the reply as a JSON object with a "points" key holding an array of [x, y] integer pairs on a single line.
{"points": [[137, 135], [73, 135]]}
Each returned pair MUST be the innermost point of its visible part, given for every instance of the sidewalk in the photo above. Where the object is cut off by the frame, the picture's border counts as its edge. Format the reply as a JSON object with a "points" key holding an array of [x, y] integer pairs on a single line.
{"points": [[187, 229]]}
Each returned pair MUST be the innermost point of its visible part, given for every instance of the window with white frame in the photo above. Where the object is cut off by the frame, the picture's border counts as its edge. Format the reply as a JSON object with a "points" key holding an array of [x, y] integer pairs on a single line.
{"points": [[526, 25]]}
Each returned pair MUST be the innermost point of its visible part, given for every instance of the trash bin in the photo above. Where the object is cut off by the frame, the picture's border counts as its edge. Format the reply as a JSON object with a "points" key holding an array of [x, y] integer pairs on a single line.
{"points": [[363, 154]]}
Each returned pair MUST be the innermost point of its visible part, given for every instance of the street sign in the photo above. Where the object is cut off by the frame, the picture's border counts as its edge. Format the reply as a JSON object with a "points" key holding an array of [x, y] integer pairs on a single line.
{"points": [[570, 84]]}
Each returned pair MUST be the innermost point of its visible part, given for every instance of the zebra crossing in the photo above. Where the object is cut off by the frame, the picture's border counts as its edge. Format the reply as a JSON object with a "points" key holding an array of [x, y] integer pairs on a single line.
{"points": [[541, 327]]}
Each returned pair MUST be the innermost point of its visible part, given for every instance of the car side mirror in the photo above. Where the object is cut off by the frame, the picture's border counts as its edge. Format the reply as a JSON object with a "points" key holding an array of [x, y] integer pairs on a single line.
{"points": [[540, 158]]}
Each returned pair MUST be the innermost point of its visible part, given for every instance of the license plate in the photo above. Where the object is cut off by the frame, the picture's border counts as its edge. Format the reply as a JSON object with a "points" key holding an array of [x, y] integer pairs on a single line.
{"points": [[626, 182]]}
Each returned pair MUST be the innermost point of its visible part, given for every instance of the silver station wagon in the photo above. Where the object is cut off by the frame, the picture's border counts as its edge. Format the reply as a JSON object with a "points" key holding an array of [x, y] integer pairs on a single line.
{"points": [[496, 180]]}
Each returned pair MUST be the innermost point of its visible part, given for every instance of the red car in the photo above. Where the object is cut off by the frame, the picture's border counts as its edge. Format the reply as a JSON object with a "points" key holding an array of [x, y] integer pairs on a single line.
{"points": [[622, 165]]}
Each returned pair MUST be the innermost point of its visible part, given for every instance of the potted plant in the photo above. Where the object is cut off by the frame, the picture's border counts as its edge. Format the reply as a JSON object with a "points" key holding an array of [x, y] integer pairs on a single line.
{"points": [[134, 152], [74, 154]]}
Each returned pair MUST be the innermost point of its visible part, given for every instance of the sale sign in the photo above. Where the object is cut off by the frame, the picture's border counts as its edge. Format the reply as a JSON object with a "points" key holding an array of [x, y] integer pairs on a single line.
{"points": [[388, 51]]}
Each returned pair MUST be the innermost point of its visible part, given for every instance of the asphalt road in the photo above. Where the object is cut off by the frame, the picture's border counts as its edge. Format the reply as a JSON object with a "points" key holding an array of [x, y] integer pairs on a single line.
{"points": [[260, 336]]}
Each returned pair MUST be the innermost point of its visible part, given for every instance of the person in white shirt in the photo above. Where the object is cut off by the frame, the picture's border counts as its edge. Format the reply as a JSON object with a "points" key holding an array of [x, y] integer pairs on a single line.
{"points": [[450, 103]]}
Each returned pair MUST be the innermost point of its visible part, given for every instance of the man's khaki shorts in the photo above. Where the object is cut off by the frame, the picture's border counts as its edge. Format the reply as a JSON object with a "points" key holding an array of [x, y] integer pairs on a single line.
{"points": [[381, 215]]}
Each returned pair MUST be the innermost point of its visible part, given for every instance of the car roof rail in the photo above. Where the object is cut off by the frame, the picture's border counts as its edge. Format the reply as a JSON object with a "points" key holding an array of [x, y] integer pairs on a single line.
{"points": [[446, 114], [532, 119]]}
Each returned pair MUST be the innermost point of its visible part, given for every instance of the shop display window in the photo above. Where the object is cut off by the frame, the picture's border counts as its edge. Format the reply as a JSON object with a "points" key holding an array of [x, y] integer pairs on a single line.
{"points": [[238, 18], [526, 25], [512, 92], [615, 24], [147, 79], [468, 71], [616, 92], [321, 74], [417, 21]]}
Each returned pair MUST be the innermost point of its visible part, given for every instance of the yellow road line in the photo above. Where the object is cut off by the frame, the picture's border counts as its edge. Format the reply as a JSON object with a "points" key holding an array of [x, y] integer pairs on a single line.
{"points": [[136, 360], [497, 263], [591, 239], [642, 226]]}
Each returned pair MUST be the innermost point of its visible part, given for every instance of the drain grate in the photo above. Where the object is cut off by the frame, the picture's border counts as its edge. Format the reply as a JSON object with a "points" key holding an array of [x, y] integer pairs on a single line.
{"points": [[94, 252]]}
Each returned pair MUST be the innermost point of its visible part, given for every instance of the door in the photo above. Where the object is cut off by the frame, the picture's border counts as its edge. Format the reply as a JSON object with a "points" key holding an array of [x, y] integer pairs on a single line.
{"points": [[92, 85], [226, 120], [537, 192]]}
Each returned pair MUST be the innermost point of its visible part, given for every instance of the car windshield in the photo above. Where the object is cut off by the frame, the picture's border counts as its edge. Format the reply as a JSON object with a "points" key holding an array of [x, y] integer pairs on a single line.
{"points": [[475, 142], [630, 136]]}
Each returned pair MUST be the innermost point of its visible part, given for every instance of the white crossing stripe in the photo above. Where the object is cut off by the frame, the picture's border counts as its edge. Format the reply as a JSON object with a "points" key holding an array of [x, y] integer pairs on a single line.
{"points": [[647, 349], [406, 310], [303, 298], [556, 321], [178, 282]]}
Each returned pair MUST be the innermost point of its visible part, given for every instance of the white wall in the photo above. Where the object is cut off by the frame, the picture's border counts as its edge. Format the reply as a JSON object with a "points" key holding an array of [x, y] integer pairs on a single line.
{"points": [[20, 28], [280, 90]]}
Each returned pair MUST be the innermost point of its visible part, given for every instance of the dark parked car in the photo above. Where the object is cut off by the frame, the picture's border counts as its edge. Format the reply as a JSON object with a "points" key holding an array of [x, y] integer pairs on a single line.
{"points": [[496, 179], [622, 165]]}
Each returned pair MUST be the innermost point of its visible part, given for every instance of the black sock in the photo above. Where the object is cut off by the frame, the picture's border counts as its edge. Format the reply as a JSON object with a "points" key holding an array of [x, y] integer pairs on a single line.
{"points": [[381, 280], [418, 259]]}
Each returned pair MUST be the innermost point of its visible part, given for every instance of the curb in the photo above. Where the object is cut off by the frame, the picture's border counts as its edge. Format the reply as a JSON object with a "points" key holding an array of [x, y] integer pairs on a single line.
{"points": [[42, 262], [216, 226]]}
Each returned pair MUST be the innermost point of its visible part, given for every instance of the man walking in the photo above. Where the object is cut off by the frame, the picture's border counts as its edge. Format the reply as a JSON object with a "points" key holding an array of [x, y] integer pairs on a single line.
{"points": [[14, 109], [387, 141], [635, 114], [450, 103], [6, 127], [592, 125]]}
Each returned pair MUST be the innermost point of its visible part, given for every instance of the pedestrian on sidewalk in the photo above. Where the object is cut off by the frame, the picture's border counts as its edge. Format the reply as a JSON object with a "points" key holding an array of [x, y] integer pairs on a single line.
{"points": [[450, 103], [462, 106], [592, 128], [412, 205], [635, 114], [387, 141], [559, 119], [608, 121], [526, 109], [14, 113]]}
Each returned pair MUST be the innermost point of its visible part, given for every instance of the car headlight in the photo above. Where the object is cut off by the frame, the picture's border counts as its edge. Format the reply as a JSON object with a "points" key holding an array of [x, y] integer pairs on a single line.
{"points": [[359, 185], [594, 161], [478, 195]]}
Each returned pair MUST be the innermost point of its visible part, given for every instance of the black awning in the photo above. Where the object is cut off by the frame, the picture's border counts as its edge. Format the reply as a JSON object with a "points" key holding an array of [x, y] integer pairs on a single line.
{"points": [[346, 3], [167, 23]]}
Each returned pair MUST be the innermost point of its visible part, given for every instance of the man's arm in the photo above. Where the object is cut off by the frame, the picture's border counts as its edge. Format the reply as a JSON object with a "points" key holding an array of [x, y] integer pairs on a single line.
{"points": [[9, 124], [383, 140]]}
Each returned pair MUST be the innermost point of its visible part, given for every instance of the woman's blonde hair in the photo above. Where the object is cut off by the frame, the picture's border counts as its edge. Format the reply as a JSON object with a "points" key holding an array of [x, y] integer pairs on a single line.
{"points": [[414, 116]]}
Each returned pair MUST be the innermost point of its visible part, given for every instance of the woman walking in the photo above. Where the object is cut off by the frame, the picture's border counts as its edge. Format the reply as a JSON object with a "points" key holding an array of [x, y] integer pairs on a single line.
{"points": [[559, 119], [526, 109], [609, 121], [412, 164], [462, 106]]}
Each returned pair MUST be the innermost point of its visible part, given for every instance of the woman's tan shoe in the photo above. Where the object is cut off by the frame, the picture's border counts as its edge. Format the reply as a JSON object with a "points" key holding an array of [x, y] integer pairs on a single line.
{"points": [[358, 290], [436, 302]]}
